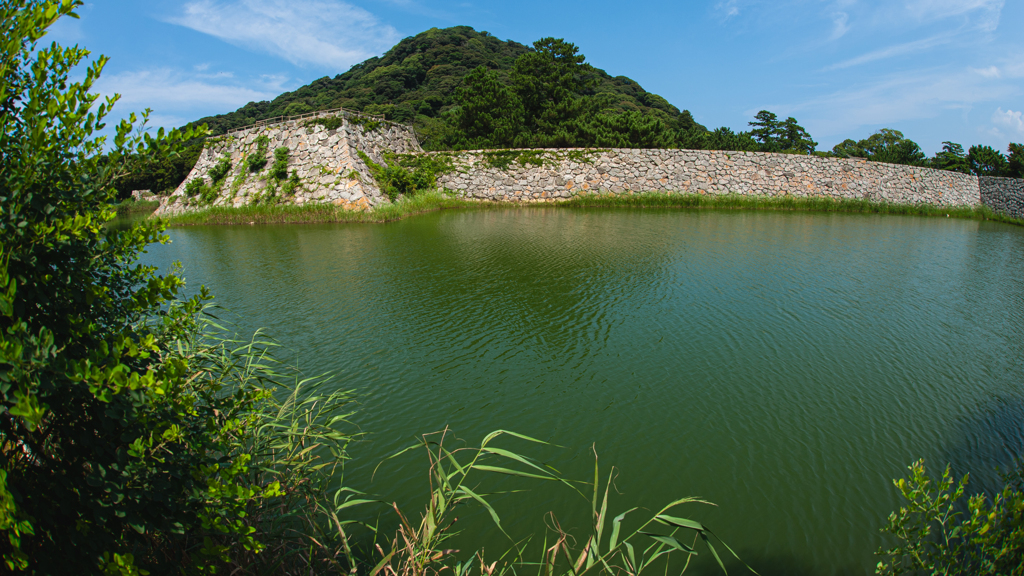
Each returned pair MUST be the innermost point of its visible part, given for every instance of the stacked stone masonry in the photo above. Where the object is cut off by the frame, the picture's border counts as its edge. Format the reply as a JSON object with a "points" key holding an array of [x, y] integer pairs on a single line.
{"points": [[331, 171], [566, 173], [1005, 195], [326, 161]]}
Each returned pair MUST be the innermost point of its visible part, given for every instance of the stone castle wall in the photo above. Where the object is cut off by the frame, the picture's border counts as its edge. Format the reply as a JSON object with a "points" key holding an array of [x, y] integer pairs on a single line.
{"points": [[1005, 195], [326, 161], [565, 173], [331, 171]]}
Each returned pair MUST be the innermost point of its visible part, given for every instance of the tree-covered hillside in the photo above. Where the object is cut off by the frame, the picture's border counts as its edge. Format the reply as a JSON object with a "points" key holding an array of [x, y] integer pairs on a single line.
{"points": [[418, 82], [462, 89]]}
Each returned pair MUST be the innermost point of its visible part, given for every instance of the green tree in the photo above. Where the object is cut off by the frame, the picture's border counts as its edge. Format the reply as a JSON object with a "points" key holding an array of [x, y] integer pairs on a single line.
{"points": [[886, 145], [1015, 160], [490, 114], [766, 129], [793, 138], [548, 81], [951, 158], [775, 136], [848, 149], [986, 161]]}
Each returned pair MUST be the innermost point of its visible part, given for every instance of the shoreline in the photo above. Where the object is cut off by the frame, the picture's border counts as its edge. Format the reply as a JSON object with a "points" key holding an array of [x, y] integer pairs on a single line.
{"points": [[435, 201]]}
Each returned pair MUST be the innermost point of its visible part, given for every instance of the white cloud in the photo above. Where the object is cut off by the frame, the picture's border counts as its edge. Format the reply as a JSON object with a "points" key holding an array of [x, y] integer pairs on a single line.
{"points": [[896, 99], [728, 8], [1008, 120], [990, 72], [985, 13], [328, 33], [840, 25], [164, 89], [892, 51]]}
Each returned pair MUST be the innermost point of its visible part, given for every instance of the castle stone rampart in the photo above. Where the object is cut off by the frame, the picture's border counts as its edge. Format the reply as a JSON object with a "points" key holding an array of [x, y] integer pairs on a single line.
{"points": [[330, 170], [326, 161], [1005, 195], [565, 173]]}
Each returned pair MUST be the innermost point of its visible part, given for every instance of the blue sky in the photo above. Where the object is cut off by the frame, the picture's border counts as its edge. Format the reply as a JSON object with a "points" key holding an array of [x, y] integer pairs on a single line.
{"points": [[935, 69]]}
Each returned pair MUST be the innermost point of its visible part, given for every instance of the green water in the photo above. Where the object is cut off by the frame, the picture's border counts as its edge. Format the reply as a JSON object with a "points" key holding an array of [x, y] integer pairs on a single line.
{"points": [[783, 366]]}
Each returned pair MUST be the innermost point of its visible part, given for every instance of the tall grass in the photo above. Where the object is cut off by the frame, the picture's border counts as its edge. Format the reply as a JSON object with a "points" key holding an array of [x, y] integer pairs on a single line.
{"points": [[290, 449], [611, 547], [322, 213], [432, 201], [132, 207], [781, 204]]}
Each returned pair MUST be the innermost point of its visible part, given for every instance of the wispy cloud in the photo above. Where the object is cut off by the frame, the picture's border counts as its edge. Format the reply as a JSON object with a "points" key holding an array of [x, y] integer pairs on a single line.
{"points": [[985, 14], [840, 25], [327, 33], [896, 99], [727, 8], [166, 90], [893, 51]]}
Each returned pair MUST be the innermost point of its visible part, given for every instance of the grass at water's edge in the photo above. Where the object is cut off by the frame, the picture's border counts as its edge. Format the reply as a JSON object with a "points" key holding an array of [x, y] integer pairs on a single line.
{"points": [[131, 207], [432, 201]]}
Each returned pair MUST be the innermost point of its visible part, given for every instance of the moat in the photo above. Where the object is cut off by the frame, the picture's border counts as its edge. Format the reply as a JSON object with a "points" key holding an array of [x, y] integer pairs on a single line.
{"points": [[785, 366]]}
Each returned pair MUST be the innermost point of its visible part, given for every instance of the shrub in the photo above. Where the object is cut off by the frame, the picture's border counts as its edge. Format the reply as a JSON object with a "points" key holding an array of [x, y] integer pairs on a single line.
{"points": [[133, 436], [397, 180], [279, 169], [258, 159], [936, 538], [220, 169], [194, 187]]}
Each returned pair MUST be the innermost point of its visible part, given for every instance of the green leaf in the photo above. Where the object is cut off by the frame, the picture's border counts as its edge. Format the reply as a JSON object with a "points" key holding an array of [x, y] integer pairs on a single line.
{"points": [[670, 541], [679, 522]]}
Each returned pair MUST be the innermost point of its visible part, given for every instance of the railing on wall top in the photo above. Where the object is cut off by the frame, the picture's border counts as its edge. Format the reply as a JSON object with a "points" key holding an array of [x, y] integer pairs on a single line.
{"points": [[318, 114]]}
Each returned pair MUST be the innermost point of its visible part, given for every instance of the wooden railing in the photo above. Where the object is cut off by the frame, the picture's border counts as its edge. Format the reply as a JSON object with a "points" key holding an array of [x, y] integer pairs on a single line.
{"points": [[318, 114]]}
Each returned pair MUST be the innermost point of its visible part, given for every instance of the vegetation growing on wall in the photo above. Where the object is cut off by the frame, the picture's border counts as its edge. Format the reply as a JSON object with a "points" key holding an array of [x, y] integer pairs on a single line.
{"points": [[405, 175], [258, 159]]}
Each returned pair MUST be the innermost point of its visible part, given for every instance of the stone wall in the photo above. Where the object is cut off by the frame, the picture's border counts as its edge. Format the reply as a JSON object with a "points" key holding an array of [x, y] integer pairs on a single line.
{"points": [[330, 170], [327, 163], [565, 173], [1005, 195]]}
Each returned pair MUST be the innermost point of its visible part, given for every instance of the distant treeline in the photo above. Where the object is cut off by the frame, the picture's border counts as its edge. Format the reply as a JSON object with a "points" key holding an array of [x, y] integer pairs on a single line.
{"points": [[463, 89]]}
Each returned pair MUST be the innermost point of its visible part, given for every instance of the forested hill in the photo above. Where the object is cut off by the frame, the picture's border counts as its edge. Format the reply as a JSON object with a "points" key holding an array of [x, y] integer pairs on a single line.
{"points": [[463, 90], [418, 82]]}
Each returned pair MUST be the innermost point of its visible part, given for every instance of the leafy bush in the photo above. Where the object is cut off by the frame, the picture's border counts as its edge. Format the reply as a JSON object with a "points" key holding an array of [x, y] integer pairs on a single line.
{"points": [[220, 169], [936, 538], [194, 187], [258, 159], [396, 180], [134, 436], [279, 169], [986, 161], [289, 187]]}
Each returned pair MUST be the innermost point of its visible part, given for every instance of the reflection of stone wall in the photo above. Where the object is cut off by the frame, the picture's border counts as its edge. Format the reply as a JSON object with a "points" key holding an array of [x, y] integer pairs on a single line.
{"points": [[326, 162], [566, 173], [1004, 195]]}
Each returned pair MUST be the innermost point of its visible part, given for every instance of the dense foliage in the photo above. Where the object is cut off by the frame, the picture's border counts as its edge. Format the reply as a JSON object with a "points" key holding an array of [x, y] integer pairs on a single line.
{"points": [[132, 436], [939, 534], [416, 81], [888, 145]]}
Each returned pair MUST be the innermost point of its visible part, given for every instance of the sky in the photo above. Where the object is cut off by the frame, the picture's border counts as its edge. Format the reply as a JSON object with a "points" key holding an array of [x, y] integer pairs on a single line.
{"points": [[937, 70]]}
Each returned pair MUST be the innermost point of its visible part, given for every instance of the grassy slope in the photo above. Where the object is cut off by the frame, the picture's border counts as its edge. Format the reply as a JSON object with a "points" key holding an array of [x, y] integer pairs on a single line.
{"points": [[431, 201]]}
